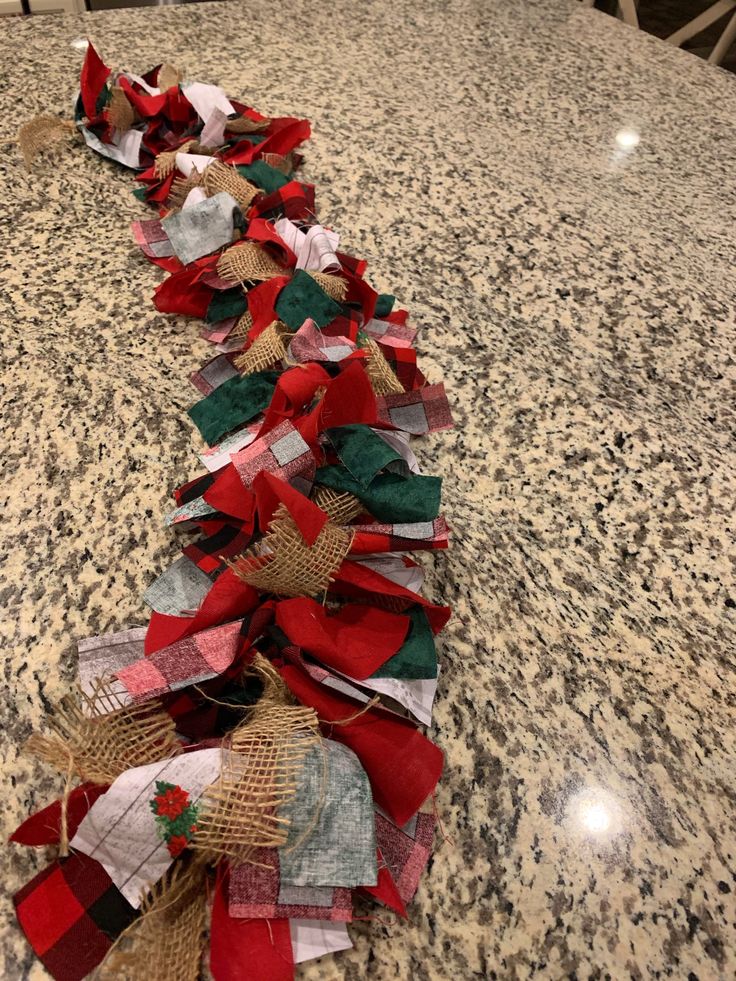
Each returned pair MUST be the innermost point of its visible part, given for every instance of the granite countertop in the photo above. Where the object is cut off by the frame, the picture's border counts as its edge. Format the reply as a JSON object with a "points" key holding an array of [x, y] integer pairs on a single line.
{"points": [[576, 292]]}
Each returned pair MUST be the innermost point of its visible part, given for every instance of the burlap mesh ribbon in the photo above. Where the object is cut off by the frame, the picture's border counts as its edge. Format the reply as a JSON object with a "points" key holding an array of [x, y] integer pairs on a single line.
{"points": [[382, 376], [249, 262], [168, 76], [219, 177], [181, 186], [166, 160], [42, 133], [244, 125], [342, 506], [267, 349], [243, 326], [97, 744], [167, 941], [119, 111], [240, 813], [291, 567]]}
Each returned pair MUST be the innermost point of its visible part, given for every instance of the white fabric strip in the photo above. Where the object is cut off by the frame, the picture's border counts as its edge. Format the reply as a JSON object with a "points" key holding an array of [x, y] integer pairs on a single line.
{"points": [[313, 938], [120, 830]]}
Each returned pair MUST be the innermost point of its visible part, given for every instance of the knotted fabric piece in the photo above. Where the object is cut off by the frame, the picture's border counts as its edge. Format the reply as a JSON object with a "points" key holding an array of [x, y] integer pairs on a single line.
{"points": [[168, 76], [165, 162], [290, 567]]}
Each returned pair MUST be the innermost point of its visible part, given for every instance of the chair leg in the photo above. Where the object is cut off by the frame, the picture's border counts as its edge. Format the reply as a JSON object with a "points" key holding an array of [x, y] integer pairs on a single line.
{"points": [[725, 41], [628, 12], [698, 24]]}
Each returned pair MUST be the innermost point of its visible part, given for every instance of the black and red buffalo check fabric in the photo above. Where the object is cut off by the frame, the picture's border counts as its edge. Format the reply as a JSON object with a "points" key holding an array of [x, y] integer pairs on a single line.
{"points": [[71, 913]]}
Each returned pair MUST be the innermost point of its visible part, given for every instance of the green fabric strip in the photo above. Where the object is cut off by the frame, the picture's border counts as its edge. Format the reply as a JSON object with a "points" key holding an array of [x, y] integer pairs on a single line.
{"points": [[390, 497], [263, 175], [384, 305], [417, 657], [225, 304], [234, 402], [140, 193], [302, 298], [364, 453]]}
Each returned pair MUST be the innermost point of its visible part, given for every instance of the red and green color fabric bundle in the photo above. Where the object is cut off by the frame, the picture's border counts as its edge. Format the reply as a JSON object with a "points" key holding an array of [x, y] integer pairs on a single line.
{"points": [[289, 651]]}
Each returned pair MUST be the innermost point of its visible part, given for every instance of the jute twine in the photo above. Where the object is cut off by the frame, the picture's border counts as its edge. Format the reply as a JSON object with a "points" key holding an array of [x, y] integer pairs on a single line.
{"points": [[96, 744], [168, 76], [267, 349], [240, 813], [382, 376], [167, 941], [341, 506], [42, 133], [249, 262], [291, 567], [244, 125], [219, 177], [119, 111]]}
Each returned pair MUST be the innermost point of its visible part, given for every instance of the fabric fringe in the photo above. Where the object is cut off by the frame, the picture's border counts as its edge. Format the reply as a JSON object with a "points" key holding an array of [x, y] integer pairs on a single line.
{"points": [[181, 186], [284, 164], [97, 738], [42, 133], [267, 349]]}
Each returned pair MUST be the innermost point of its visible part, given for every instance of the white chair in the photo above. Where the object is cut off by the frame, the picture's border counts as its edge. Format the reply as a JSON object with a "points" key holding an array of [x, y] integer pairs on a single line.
{"points": [[704, 20]]}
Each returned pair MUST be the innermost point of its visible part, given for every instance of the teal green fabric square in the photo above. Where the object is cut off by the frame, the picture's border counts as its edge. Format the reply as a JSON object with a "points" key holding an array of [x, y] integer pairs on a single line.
{"points": [[332, 838], [225, 304], [302, 298], [364, 453], [384, 305], [234, 402], [417, 657], [263, 175], [390, 497]]}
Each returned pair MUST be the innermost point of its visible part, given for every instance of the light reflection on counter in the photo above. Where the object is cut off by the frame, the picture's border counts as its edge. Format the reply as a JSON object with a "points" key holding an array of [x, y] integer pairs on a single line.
{"points": [[595, 813]]}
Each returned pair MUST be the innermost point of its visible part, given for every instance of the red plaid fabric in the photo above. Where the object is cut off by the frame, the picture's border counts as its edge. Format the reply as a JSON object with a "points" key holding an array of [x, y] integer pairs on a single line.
{"points": [[256, 892], [282, 452], [311, 344], [425, 410], [152, 239], [392, 335], [209, 553], [193, 659], [417, 535], [293, 200], [71, 913], [404, 362], [406, 850], [212, 374]]}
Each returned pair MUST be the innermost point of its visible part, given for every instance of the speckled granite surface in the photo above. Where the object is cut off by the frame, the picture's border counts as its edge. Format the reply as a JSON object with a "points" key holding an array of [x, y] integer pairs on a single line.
{"points": [[578, 298]]}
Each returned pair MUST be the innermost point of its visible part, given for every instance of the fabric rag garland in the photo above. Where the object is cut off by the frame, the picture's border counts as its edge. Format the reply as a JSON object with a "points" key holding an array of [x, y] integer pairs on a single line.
{"points": [[252, 762]]}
